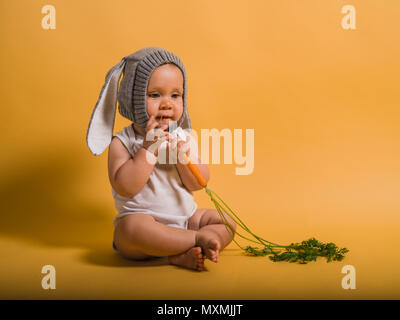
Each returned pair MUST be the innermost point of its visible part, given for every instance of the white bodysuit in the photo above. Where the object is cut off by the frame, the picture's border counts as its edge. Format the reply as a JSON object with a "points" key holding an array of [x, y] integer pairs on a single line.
{"points": [[163, 196]]}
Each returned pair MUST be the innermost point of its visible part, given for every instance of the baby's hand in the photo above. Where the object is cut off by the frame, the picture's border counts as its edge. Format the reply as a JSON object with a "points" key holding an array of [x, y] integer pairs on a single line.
{"points": [[154, 136], [182, 147]]}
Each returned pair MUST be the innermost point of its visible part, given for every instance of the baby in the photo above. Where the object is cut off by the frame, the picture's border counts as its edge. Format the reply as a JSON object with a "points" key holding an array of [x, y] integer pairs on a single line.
{"points": [[157, 215]]}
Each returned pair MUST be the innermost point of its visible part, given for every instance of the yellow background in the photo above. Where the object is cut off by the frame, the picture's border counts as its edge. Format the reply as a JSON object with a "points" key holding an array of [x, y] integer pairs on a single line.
{"points": [[323, 103]]}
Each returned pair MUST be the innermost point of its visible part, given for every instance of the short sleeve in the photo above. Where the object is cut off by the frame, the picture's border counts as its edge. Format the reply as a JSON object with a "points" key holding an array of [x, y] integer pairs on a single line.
{"points": [[126, 139]]}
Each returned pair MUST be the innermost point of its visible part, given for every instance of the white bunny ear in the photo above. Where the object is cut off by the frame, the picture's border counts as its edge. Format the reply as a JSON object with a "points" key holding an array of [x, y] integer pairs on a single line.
{"points": [[101, 124]]}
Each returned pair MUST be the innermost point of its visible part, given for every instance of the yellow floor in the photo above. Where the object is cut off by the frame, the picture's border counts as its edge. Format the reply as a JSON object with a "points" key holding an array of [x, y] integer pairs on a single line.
{"points": [[58, 211], [87, 267]]}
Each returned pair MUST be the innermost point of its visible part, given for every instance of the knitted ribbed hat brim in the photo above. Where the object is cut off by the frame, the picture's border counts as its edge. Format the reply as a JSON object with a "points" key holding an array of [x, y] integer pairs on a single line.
{"points": [[133, 90], [131, 95]]}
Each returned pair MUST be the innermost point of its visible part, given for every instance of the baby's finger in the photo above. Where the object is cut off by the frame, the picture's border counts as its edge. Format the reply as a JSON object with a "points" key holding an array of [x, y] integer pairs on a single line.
{"points": [[166, 133], [154, 135], [183, 146], [154, 125], [151, 124], [181, 143], [173, 144]]}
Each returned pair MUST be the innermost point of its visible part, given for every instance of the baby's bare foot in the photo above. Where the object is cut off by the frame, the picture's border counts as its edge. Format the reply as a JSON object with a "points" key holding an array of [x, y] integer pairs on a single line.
{"points": [[192, 259], [210, 244]]}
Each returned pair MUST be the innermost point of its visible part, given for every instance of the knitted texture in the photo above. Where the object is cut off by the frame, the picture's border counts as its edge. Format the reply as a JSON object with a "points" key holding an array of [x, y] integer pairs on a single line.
{"points": [[133, 88], [130, 94]]}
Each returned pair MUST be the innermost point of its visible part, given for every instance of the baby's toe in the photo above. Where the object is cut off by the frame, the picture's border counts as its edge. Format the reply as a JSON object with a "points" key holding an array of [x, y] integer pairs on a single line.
{"points": [[214, 257], [214, 245], [196, 251], [200, 266]]}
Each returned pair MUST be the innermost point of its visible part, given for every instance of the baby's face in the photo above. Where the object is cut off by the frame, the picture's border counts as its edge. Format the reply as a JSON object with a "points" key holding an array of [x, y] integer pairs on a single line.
{"points": [[165, 94]]}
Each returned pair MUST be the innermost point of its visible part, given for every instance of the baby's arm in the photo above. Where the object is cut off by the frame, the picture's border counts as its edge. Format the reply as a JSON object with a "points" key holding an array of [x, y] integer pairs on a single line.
{"points": [[187, 177], [127, 175]]}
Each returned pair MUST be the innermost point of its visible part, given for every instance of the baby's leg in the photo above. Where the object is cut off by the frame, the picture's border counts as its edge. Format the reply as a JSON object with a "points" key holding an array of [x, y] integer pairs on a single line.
{"points": [[213, 235], [139, 236]]}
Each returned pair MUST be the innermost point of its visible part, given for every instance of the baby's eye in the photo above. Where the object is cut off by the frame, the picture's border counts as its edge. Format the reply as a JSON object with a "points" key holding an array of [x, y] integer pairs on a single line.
{"points": [[176, 95], [154, 95]]}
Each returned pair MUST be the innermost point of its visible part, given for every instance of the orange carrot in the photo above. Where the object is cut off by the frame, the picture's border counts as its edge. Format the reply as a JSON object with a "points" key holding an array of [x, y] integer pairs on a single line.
{"points": [[195, 171]]}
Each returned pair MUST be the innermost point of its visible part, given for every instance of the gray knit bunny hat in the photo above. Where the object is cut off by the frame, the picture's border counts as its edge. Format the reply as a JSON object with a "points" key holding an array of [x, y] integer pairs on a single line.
{"points": [[137, 69]]}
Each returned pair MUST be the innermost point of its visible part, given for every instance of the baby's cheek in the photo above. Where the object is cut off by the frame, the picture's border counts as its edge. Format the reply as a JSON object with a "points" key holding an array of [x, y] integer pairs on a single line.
{"points": [[151, 107]]}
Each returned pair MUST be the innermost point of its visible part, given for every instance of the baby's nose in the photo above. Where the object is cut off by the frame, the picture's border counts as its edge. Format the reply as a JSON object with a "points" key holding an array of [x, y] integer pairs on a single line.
{"points": [[166, 105]]}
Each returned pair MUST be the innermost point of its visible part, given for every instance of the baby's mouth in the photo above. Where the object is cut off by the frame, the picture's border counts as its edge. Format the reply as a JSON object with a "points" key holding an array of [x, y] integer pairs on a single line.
{"points": [[163, 119]]}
